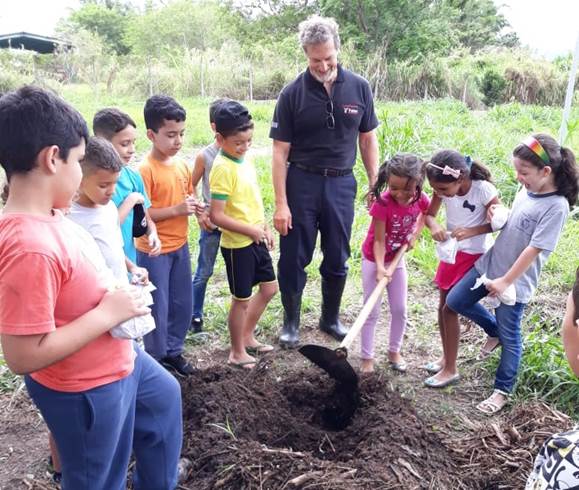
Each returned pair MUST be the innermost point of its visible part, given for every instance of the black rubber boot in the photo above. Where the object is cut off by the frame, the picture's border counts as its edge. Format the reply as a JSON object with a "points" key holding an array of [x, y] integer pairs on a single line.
{"points": [[332, 290], [292, 303]]}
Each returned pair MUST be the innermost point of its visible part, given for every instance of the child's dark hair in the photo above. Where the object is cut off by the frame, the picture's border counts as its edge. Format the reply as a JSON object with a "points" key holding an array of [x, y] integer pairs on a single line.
{"points": [[456, 161], [31, 119], [213, 108], [159, 108], [562, 162], [226, 133], [109, 121], [403, 165], [100, 154]]}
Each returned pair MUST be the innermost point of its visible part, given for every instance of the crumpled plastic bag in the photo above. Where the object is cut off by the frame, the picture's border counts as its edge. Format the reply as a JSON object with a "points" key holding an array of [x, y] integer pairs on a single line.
{"points": [[500, 217], [507, 297], [139, 326], [446, 251]]}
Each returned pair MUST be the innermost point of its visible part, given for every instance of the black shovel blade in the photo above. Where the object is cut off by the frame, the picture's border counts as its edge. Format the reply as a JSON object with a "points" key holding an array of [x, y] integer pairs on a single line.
{"points": [[334, 362]]}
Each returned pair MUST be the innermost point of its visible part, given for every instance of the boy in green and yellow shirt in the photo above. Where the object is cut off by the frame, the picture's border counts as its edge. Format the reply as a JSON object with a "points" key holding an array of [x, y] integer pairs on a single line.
{"points": [[237, 208]]}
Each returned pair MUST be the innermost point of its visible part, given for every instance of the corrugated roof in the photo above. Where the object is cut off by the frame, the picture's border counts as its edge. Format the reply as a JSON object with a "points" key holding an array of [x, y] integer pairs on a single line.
{"points": [[33, 42]]}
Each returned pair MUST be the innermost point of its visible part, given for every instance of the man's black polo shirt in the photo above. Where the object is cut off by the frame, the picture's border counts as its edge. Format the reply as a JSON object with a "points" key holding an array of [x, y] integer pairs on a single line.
{"points": [[302, 118]]}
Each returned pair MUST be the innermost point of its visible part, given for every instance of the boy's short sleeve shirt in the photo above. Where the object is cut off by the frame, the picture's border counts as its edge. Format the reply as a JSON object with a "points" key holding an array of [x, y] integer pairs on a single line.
{"points": [[102, 223], [129, 181], [400, 222], [301, 118], [47, 280], [167, 184], [235, 182]]}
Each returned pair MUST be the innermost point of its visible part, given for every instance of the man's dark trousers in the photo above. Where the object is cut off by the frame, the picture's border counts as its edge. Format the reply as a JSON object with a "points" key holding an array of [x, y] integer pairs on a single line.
{"points": [[316, 203]]}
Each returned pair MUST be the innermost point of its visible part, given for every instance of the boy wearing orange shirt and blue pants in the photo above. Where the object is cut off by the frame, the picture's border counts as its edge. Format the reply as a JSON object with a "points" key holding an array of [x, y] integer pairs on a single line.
{"points": [[103, 398], [169, 185]]}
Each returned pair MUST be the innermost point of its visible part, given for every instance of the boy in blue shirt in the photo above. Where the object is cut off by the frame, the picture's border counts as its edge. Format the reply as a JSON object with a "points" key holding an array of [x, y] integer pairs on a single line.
{"points": [[120, 129]]}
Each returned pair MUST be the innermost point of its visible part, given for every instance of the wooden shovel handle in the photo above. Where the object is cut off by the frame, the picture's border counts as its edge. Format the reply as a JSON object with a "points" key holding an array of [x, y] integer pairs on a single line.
{"points": [[367, 308]]}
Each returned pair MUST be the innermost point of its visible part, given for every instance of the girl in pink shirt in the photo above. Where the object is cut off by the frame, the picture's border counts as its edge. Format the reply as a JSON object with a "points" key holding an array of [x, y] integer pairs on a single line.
{"points": [[397, 218]]}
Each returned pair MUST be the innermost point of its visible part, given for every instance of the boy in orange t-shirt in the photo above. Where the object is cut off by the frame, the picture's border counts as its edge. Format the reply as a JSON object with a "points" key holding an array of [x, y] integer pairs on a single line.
{"points": [[97, 394], [168, 183]]}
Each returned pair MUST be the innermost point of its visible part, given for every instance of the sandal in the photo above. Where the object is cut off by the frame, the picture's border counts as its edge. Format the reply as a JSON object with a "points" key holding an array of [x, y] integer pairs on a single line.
{"points": [[432, 382], [399, 366], [259, 349], [246, 365], [486, 351], [432, 367], [55, 475], [490, 406]]}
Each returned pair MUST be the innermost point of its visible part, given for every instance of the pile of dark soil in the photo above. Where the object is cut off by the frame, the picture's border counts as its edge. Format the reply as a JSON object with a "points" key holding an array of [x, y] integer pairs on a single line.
{"points": [[256, 430]]}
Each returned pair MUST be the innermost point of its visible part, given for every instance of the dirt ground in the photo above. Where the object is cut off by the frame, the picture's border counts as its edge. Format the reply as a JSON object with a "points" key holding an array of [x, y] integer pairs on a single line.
{"points": [[275, 427]]}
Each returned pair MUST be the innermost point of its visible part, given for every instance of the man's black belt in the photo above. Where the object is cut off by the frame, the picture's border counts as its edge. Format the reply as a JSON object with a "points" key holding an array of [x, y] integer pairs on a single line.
{"points": [[326, 172]]}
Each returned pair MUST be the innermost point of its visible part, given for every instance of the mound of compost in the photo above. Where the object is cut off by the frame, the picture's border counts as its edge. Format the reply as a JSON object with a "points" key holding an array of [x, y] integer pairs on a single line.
{"points": [[260, 430]]}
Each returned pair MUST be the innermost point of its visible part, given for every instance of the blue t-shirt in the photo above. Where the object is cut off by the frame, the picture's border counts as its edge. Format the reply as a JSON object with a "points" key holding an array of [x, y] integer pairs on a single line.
{"points": [[129, 181]]}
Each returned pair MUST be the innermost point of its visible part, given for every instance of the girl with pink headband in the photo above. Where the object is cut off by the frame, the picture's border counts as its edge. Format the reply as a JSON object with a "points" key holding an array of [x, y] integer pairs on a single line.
{"points": [[464, 188]]}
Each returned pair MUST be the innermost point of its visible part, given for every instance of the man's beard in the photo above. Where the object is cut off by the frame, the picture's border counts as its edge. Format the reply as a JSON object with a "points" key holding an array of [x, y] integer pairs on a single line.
{"points": [[328, 77]]}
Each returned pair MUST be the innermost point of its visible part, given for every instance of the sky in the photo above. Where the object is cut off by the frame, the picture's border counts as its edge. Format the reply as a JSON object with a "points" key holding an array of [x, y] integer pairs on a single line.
{"points": [[549, 27]]}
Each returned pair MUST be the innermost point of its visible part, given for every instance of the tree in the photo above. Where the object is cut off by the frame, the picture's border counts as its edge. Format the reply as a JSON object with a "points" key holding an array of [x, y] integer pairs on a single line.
{"points": [[401, 28], [181, 24], [478, 24], [108, 19]]}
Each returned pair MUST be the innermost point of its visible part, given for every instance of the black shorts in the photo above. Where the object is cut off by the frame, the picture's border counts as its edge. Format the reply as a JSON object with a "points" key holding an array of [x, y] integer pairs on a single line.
{"points": [[246, 267]]}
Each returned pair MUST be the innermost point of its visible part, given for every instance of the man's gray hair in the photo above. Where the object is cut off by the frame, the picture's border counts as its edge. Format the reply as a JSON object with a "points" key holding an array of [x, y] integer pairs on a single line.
{"points": [[318, 30]]}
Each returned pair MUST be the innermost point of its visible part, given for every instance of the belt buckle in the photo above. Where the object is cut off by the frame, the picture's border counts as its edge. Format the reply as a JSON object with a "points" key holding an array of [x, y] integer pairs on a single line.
{"points": [[325, 174]]}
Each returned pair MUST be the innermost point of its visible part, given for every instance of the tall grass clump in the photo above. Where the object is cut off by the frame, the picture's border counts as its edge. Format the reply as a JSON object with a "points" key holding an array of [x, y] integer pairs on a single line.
{"points": [[544, 371]]}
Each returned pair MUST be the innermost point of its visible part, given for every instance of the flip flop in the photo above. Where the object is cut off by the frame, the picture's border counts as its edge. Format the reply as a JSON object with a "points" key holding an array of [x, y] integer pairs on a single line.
{"points": [[259, 349], [432, 382], [489, 407], [432, 367], [242, 364], [400, 366]]}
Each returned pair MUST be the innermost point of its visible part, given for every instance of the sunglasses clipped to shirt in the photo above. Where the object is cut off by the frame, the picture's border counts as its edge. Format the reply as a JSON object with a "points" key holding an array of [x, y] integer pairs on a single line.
{"points": [[330, 119]]}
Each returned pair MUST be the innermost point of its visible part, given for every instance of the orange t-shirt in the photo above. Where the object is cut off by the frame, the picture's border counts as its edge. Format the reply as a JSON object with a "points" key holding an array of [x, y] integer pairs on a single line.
{"points": [[167, 184], [46, 281]]}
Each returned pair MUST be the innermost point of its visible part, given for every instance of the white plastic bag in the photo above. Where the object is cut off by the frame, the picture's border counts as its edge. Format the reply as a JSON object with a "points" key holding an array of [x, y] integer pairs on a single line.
{"points": [[137, 327], [446, 251], [507, 297], [500, 217]]}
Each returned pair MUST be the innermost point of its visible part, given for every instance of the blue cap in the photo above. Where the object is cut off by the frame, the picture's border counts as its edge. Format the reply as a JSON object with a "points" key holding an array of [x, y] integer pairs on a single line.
{"points": [[230, 115]]}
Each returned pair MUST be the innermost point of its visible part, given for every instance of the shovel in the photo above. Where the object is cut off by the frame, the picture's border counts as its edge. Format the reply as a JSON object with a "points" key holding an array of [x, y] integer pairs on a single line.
{"points": [[334, 361]]}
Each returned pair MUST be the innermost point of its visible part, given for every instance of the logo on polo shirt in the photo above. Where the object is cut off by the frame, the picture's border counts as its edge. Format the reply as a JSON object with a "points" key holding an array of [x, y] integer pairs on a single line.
{"points": [[350, 109], [274, 124]]}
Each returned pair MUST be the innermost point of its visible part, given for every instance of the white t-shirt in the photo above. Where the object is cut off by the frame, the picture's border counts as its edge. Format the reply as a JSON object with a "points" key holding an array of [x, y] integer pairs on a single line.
{"points": [[468, 211], [102, 222]]}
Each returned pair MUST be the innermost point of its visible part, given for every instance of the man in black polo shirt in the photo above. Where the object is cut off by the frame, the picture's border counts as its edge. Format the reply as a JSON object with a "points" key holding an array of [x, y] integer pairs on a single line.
{"points": [[318, 119]]}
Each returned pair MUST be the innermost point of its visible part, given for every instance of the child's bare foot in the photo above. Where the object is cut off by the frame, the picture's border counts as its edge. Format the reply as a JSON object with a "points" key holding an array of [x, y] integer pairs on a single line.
{"points": [[367, 366], [242, 361], [442, 379]]}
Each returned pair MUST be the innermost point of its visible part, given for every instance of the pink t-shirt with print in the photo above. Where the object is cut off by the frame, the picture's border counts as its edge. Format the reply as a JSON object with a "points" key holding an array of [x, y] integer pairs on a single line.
{"points": [[48, 279], [400, 222]]}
